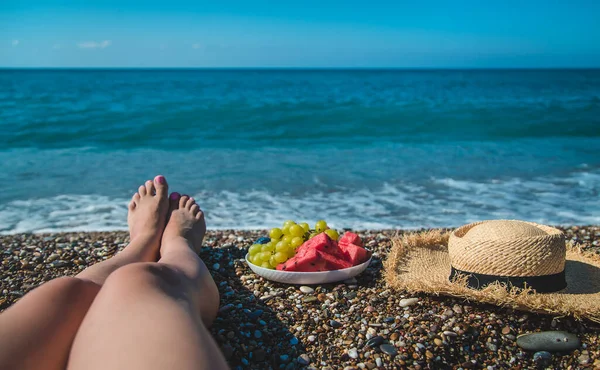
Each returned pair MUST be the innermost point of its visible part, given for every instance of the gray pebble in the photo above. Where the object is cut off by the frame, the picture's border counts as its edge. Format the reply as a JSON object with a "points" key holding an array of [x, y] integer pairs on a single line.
{"points": [[388, 349], [542, 358], [379, 362], [492, 347], [353, 353], [335, 324], [550, 341], [375, 341], [303, 359], [408, 302], [306, 289]]}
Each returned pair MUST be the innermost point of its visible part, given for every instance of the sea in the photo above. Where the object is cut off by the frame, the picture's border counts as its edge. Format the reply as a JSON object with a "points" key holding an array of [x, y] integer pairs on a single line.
{"points": [[361, 149]]}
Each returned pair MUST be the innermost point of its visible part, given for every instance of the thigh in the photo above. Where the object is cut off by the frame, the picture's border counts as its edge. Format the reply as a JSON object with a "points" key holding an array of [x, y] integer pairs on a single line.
{"points": [[144, 318], [37, 332]]}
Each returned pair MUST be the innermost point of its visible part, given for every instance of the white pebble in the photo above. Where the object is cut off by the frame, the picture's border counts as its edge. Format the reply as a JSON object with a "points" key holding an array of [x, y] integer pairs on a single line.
{"points": [[408, 302], [353, 353], [378, 362], [306, 289], [311, 338]]}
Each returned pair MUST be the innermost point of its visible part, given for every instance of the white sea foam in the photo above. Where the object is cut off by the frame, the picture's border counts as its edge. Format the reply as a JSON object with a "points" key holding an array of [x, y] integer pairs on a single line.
{"points": [[443, 202]]}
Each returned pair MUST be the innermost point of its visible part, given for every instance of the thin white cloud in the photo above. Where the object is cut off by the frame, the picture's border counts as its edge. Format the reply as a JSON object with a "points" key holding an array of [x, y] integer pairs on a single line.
{"points": [[15, 42], [94, 44], [196, 46]]}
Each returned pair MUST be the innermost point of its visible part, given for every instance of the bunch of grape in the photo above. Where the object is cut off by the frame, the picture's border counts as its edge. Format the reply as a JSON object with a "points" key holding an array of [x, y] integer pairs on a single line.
{"points": [[285, 241]]}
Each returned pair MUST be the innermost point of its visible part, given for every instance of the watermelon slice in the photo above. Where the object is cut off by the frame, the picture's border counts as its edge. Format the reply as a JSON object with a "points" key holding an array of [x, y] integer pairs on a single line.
{"points": [[353, 253], [309, 262], [351, 238], [321, 242], [333, 262]]}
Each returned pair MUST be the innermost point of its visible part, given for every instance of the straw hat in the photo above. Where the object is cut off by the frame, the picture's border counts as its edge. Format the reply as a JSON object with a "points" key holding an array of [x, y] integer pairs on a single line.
{"points": [[519, 264]]}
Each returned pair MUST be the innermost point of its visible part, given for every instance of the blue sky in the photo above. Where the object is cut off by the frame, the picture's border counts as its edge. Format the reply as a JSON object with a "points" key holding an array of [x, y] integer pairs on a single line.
{"points": [[454, 34]]}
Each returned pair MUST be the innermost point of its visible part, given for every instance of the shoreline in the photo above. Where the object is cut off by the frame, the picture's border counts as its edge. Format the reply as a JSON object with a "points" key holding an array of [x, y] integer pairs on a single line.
{"points": [[270, 325]]}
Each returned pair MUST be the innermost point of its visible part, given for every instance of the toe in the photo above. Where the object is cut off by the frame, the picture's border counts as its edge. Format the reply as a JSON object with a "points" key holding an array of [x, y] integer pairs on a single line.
{"points": [[131, 205], [199, 215], [174, 200], [190, 202], [150, 190], [162, 188], [183, 200], [195, 209], [142, 190]]}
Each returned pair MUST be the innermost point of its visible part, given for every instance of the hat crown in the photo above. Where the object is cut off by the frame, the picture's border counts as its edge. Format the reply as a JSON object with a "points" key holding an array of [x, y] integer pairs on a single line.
{"points": [[502, 229], [507, 248]]}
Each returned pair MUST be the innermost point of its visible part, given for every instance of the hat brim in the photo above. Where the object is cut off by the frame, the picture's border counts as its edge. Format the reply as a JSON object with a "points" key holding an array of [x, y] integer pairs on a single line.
{"points": [[419, 262]]}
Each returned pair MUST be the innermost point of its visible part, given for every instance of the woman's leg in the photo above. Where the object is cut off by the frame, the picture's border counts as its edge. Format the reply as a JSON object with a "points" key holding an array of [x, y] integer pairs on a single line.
{"points": [[37, 332], [152, 315]]}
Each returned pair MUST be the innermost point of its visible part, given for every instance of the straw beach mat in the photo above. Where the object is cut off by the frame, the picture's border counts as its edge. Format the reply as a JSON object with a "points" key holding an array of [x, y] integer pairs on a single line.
{"points": [[516, 264]]}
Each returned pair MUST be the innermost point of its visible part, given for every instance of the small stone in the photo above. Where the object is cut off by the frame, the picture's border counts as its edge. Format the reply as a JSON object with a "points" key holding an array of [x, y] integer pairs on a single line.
{"points": [[309, 299], [584, 358], [335, 324], [294, 341], [449, 333], [438, 341], [257, 334], [505, 330], [408, 302], [492, 347], [303, 359], [428, 354], [388, 349], [394, 336], [375, 341], [53, 257], [353, 353], [306, 289], [550, 341], [321, 297], [216, 266], [379, 362], [311, 338], [542, 358]]}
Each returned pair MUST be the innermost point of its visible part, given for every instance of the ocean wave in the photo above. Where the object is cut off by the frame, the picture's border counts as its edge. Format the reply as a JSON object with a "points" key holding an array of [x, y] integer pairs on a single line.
{"points": [[440, 202]]}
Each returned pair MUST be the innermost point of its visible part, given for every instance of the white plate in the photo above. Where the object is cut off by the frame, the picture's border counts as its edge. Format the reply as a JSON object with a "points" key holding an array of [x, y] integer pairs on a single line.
{"points": [[307, 278]]}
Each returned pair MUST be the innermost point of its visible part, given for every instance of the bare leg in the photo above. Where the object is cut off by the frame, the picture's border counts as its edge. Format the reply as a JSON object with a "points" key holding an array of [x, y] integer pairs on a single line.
{"points": [[150, 315], [37, 332]]}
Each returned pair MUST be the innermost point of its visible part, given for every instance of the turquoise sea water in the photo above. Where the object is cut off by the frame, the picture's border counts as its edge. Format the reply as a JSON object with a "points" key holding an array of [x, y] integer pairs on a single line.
{"points": [[359, 148]]}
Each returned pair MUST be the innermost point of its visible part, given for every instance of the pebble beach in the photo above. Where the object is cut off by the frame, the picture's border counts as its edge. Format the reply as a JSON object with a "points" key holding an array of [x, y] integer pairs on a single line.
{"points": [[358, 323]]}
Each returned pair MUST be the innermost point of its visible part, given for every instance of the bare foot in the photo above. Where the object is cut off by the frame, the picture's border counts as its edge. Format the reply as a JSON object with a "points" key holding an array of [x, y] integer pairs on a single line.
{"points": [[148, 213], [186, 221]]}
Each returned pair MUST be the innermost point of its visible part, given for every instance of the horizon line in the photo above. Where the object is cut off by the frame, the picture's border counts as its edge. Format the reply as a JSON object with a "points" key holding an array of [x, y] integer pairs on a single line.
{"points": [[303, 68]]}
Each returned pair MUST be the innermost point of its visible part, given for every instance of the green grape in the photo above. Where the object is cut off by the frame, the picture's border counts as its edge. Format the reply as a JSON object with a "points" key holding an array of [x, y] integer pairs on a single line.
{"points": [[273, 261], [296, 242], [312, 235], [274, 241], [280, 257], [332, 234], [296, 230], [251, 259], [254, 248], [291, 252], [289, 223], [269, 247], [266, 265], [320, 226], [275, 233], [288, 239], [282, 246], [257, 259], [265, 256], [305, 226], [285, 230]]}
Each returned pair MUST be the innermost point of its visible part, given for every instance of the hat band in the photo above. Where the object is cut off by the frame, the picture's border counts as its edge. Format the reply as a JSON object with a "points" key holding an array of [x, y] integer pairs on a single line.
{"points": [[541, 284]]}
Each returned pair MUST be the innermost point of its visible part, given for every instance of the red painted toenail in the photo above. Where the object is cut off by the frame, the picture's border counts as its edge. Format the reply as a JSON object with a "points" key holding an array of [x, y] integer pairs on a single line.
{"points": [[161, 179], [175, 196]]}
